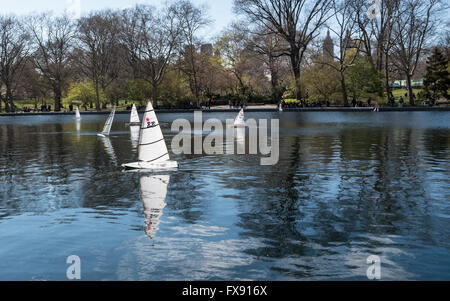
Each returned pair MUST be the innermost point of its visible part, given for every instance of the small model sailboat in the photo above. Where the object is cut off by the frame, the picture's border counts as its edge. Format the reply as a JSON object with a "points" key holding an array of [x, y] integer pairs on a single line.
{"points": [[134, 118], [153, 195], [108, 124], [239, 121], [280, 107], [77, 114], [153, 153]]}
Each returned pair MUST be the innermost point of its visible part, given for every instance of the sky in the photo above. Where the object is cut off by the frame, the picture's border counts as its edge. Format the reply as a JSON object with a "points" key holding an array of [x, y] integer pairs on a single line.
{"points": [[220, 11]]}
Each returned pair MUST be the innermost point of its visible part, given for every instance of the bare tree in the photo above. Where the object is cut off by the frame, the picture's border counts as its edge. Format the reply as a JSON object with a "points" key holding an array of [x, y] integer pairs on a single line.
{"points": [[193, 19], [296, 21], [53, 45], [411, 30], [268, 48], [99, 45], [14, 48], [345, 29], [151, 38]]}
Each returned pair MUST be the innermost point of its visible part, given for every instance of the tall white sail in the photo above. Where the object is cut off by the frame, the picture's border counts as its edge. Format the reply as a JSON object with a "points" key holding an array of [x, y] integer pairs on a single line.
{"points": [[153, 195], [77, 113], [152, 147], [134, 118], [239, 121], [109, 122]]}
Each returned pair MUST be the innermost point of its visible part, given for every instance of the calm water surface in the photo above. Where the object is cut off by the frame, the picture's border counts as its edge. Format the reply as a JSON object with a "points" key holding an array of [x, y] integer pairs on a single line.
{"points": [[348, 185]]}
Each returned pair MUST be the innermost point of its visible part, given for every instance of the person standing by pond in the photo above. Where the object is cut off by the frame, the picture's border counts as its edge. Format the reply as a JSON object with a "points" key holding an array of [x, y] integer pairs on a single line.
{"points": [[369, 102], [354, 102], [401, 101]]}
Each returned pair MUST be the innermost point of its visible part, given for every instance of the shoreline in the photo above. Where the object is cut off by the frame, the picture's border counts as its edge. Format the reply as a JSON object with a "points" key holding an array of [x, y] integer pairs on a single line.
{"points": [[256, 109]]}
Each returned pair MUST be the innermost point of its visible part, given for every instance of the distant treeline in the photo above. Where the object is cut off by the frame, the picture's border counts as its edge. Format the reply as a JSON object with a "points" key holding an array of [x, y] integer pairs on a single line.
{"points": [[277, 50]]}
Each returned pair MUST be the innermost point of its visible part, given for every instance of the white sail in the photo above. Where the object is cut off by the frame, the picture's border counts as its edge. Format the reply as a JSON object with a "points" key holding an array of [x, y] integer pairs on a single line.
{"points": [[280, 108], [134, 133], [109, 122], [152, 147], [77, 113], [239, 121], [134, 118], [153, 195]]}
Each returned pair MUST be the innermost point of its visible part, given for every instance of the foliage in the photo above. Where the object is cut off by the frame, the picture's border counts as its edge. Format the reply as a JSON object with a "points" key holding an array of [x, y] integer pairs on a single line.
{"points": [[83, 93], [437, 78], [362, 78]]}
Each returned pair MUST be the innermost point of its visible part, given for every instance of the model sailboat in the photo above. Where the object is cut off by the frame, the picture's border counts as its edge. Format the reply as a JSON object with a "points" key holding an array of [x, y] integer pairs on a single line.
{"points": [[77, 114], [153, 153], [240, 121], [108, 124], [134, 118]]}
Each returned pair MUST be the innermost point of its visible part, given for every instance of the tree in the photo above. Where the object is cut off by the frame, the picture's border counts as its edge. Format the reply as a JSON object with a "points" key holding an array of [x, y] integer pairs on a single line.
{"points": [[53, 45], [193, 19], [362, 78], [83, 92], [296, 21], [268, 49], [151, 37], [322, 81], [98, 37], [345, 28], [14, 48], [411, 29], [437, 78]]}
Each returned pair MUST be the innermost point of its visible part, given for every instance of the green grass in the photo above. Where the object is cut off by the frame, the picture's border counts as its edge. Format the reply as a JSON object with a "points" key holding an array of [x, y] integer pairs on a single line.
{"points": [[401, 92], [20, 104]]}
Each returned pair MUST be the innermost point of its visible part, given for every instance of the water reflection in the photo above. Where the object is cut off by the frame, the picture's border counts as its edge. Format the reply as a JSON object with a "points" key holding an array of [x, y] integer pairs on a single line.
{"points": [[134, 133], [347, 186], [153, 190], [109, 149]]}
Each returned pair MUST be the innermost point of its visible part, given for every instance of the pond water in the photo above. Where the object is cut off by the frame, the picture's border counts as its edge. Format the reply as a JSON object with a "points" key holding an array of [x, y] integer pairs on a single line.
{"points": [[347, 186]]}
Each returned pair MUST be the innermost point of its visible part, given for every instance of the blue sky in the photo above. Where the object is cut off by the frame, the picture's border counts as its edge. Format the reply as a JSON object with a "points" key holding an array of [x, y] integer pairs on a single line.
{"points": [[219, 10]]}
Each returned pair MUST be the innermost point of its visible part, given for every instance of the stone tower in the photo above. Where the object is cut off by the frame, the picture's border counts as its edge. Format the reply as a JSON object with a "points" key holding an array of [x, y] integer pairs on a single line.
{"points": [[328, 47]]}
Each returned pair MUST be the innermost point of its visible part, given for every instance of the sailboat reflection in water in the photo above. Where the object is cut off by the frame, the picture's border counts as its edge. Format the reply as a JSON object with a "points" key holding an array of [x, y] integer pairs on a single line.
{"points": [[153, 195], [134, 132]]}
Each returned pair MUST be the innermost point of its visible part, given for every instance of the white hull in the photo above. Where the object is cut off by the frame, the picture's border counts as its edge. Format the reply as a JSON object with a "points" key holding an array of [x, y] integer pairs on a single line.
{"points": [[152, 166]]}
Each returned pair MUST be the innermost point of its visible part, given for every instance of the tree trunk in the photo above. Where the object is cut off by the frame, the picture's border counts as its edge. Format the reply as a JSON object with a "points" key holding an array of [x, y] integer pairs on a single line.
{"points": [[295, 63], [155, 95], [386, 71], [410, 89], [58, 95], [344, 90], [97, 96]]}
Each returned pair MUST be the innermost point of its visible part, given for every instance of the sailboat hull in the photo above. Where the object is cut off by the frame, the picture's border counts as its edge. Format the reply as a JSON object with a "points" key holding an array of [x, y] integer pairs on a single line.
{"points": [[151, 166]]}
